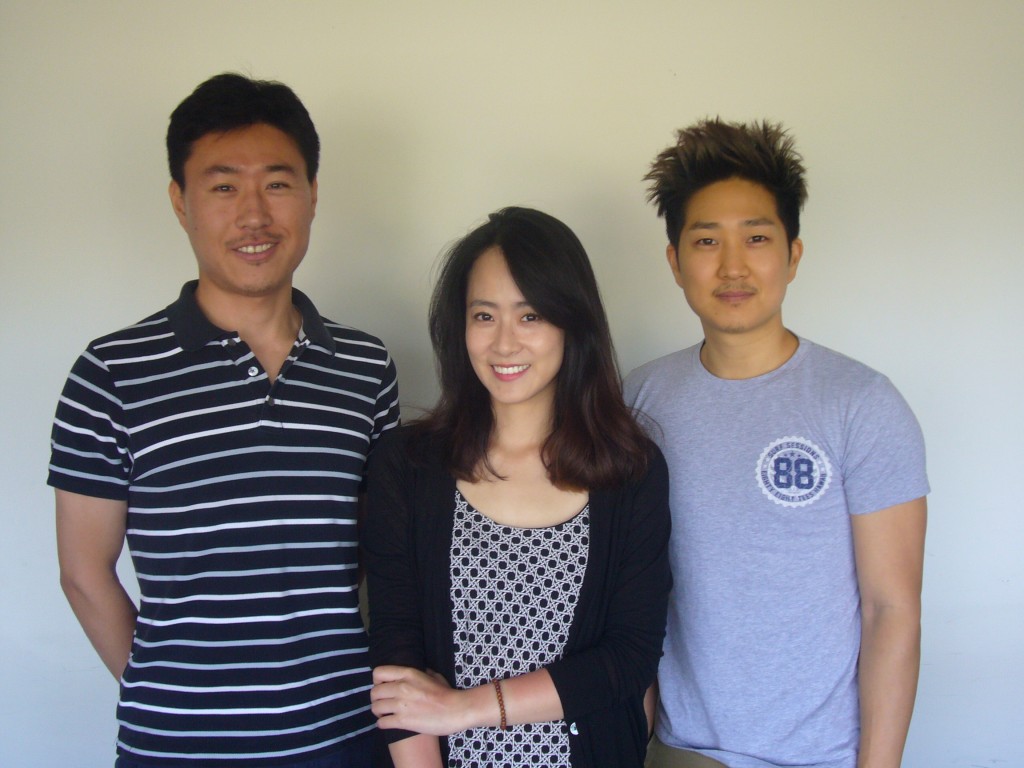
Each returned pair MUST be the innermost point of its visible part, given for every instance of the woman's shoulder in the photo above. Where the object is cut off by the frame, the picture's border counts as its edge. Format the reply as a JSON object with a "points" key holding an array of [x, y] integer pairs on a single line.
{"points": [[654, 468], [390, 444], [409, 444], [656, 460], [655, 473], [651, 478]]}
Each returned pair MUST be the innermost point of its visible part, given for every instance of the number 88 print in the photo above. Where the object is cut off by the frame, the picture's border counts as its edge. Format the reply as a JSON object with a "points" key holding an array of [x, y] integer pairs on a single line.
{"points": [[793, 472]]}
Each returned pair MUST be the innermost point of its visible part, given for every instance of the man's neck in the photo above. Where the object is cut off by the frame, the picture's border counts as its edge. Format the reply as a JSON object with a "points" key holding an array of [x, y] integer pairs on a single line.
{"points": [[746, 356], [268, 324]]}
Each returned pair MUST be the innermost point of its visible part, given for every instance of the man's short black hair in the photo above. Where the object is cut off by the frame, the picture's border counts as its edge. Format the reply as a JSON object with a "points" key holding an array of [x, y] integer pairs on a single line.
{"points": [[230, 101], [715, 150]]}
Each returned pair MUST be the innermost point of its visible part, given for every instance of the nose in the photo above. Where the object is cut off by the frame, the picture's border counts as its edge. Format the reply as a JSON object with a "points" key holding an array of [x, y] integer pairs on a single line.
{"points": [[253, 211], [506, 341], [732, 260]]}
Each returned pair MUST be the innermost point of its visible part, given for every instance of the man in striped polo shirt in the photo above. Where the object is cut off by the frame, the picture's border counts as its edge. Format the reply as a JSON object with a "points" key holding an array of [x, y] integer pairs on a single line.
{"points": [[225, 438]]}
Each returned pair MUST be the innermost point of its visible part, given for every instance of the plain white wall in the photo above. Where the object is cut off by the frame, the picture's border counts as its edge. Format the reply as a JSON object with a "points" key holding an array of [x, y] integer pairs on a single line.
{"points": [[911, 119]]}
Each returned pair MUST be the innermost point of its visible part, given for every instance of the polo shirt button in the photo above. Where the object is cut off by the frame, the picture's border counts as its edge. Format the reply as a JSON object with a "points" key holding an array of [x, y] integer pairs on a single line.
{"points": [[253, 370], [573, 729]]}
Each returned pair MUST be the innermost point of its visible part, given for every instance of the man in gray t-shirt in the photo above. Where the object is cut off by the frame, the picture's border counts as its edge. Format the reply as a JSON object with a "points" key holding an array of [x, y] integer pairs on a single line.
{"points": [[798, 487]]}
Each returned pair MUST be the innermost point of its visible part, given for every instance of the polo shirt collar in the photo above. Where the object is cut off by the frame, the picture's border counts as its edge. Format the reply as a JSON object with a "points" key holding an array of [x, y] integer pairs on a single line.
{"points": [[193, 330]]}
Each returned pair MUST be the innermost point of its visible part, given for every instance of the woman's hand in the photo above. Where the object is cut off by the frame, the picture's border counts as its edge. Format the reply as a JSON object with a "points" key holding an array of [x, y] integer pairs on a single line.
{"points": [[423, 702], [403, 697]]}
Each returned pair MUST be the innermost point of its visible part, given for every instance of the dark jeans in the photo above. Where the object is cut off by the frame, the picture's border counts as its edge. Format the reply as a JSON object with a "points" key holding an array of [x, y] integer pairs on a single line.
{"points": [[353, 753]]}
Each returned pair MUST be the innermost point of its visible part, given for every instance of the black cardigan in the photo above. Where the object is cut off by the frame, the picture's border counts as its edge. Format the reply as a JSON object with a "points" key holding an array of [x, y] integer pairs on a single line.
{"points": [[614, 642]]}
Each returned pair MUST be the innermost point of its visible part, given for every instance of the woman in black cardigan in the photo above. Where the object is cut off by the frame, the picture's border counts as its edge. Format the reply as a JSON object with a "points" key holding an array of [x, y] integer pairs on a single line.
{"points": [[515, 539]]}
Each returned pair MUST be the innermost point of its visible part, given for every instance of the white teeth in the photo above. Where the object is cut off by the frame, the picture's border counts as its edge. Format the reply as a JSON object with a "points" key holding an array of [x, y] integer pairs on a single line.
{"points": [[256, 248], [508, 370]]}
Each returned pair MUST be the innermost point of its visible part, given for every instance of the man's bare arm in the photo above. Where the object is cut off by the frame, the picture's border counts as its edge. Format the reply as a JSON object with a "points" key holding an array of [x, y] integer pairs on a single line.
{"points": [[889, 549], [90, 535], [419, 751]]}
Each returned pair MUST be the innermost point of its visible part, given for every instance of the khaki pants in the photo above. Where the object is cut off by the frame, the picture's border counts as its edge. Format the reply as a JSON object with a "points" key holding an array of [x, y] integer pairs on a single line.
{"points": [[661, 756]]}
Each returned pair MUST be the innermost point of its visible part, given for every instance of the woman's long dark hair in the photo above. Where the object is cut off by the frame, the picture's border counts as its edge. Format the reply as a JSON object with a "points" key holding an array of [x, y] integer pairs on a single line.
{"points": [[594, 442]]}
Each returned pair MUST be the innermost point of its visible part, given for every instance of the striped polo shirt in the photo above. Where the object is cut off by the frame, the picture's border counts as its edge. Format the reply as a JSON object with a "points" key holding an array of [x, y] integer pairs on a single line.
{"points": [[242, 499]]}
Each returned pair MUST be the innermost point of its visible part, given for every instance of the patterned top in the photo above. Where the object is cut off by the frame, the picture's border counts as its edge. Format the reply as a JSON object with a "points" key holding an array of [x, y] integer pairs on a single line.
{"points": [[514, 592]]}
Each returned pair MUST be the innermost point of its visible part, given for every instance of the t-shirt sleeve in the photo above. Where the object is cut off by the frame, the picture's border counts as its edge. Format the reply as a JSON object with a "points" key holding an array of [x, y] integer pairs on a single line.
{"points": [[637, 397], [630, 385], [884, 455], [387, 414], [89, 441]]}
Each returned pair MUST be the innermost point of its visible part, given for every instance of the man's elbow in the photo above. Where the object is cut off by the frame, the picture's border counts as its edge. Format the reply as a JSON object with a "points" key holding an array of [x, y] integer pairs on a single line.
{"points": [[81, 585], [74, 586], [902, 616]]}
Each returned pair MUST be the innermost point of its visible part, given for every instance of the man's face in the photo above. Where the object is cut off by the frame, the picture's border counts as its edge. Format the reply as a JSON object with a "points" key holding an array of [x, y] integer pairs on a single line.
{"points": [[247, 207], [733, 262]]}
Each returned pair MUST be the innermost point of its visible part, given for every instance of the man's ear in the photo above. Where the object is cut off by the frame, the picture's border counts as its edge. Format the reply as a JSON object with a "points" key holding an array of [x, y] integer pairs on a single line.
{"points": [[673, 262], [312, 194], [796, 251], [177, 195]]}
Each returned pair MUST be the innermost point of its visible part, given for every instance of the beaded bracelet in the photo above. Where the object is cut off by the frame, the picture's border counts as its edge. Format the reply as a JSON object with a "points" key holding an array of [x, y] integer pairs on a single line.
{"points": [[501, 703]]}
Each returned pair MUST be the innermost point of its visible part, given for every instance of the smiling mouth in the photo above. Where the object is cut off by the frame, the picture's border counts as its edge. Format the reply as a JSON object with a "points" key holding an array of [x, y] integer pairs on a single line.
{"points": [[509, 370], [252, 250]]}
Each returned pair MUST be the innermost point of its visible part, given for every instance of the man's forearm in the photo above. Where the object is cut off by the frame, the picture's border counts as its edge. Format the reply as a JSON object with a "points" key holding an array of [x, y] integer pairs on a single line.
{"points": [[107, 615], [419, 751], [90, 535], [889, 662]]}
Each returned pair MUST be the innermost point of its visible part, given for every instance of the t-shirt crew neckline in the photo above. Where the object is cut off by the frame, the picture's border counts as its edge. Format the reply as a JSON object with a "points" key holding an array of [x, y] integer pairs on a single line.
{"points": [[734, 384]]}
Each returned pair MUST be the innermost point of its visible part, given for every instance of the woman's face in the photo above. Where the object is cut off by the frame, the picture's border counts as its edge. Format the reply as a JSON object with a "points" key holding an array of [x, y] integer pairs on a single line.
{"points": [[514, 351]]}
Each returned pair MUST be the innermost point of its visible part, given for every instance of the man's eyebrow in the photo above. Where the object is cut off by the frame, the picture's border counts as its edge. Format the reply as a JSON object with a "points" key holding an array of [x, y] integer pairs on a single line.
{"points": [[219, 170], [281, 168], [222, 170], [704, 225], [759, 221]]}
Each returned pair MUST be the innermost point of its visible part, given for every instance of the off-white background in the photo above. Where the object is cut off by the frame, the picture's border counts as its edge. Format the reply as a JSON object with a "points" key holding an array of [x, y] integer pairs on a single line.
{"points": [[911, 119]]}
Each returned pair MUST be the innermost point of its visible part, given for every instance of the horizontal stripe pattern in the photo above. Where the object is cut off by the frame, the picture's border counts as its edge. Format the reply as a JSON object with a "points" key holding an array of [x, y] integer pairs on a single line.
{"points": [[242, 501]]}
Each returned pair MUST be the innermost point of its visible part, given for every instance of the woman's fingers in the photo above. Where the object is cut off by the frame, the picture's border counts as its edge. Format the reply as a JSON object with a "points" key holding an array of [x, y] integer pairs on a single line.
{"points": [[389, 672]]}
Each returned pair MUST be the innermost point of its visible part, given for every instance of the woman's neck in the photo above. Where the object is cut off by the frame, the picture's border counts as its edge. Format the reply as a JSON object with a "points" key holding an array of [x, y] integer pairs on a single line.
{"points": [[520, 430], [520, 491]]}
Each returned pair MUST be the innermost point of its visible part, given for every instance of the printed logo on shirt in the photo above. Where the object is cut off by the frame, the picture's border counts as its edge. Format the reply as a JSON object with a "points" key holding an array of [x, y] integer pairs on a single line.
{"points": [[793, 472]]}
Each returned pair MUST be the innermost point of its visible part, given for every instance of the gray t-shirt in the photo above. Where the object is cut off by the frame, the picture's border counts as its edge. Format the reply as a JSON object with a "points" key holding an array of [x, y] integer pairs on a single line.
{"points": [[760, 664]]}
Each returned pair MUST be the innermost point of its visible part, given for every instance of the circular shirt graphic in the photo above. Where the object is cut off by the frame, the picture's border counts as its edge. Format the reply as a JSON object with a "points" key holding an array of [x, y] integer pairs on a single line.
{"points": [[793, 472]]}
